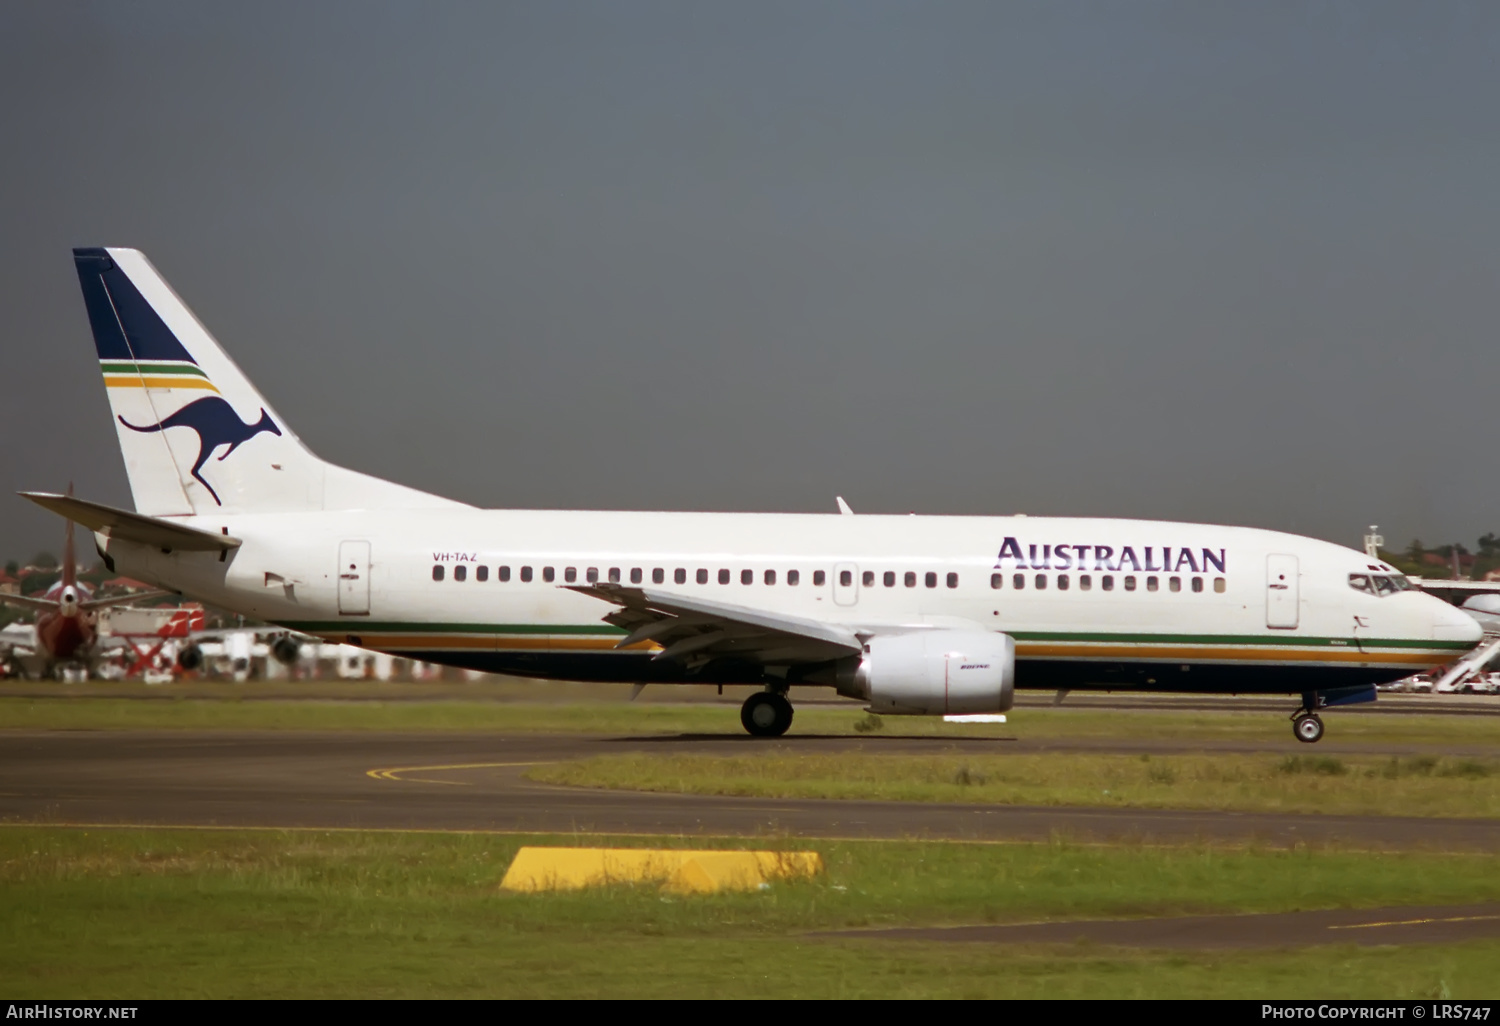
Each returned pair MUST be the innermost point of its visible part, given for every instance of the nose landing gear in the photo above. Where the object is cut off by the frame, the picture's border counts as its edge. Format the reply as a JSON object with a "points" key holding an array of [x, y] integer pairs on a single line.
{"points": [[766, 714], [1305, 722], [1307, 726]]}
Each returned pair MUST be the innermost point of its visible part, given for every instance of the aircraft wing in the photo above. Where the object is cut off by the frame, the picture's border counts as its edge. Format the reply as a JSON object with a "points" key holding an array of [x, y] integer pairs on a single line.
{"points": [[120, 523], [18, 635], [27, 602], [1455, 589], [696, 630]]}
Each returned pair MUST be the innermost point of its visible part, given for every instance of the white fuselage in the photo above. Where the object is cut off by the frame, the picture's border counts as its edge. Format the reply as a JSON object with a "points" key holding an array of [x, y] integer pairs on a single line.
{"points": [[1090, 602]]}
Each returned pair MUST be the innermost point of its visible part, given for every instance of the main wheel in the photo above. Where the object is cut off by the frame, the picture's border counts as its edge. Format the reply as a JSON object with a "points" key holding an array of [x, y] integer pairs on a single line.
{"points": [[1308, 727], [766, 714]]}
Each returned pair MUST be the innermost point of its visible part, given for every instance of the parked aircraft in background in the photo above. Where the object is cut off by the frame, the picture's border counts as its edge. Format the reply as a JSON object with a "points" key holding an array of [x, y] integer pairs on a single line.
{"points": [[915, 615], [64, 636]]}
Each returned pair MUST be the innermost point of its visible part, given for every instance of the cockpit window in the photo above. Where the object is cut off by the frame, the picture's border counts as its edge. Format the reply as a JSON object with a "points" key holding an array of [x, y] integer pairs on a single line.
{"points": [[1380, 584]]}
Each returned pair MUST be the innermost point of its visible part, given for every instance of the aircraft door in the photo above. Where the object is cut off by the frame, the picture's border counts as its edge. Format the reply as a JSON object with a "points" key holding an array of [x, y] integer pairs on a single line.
{"points": [[1282, 599], [354, 578], [845, 584]]}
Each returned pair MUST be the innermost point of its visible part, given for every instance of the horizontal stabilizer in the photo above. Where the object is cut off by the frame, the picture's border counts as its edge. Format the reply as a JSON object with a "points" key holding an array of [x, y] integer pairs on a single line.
{"points": [[41, 605], [124, 600], [119, 523]]}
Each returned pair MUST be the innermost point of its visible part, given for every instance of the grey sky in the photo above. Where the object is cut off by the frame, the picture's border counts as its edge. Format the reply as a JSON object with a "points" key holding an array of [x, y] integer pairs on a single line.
{"points": [[1223, 262]]}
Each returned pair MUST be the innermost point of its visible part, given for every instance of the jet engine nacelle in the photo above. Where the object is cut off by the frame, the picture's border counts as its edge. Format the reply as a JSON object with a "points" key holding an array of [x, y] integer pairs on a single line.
{"points": [[190, 658], [935, 673], [286, 649]]}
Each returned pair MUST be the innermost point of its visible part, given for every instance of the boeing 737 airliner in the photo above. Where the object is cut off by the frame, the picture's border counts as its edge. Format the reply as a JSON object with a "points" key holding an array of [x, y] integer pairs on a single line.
{"points": [[918, 615]]}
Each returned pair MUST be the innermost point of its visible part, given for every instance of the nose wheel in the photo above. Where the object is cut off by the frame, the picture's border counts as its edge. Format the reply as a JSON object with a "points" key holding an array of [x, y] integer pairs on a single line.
{"points": [[1307, 726], [766, 714]]}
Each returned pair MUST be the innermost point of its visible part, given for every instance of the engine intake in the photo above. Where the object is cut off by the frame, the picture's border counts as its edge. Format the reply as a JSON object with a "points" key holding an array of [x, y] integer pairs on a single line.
{"points": [[934, 673]]}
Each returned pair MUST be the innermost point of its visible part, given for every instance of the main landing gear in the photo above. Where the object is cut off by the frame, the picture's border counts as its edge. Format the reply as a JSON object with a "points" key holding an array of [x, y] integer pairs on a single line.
{"points": [[766, 714]]}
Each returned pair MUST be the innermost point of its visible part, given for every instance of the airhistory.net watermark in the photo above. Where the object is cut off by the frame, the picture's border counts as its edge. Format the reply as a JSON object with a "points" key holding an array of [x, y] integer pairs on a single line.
{"points": [[51, 1010]]}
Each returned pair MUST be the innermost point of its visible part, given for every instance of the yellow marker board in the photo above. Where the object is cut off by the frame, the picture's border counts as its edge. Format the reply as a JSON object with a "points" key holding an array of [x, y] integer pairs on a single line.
{"points": [[678, 872]]}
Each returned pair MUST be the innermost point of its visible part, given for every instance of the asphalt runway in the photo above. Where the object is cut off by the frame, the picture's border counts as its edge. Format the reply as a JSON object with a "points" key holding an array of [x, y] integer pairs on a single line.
{"points": [[1432, 924], [443, 781]]}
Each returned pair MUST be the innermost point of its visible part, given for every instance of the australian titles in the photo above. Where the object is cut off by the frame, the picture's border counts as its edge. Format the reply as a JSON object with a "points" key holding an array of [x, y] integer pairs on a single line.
{"points": [[1149, 558]]}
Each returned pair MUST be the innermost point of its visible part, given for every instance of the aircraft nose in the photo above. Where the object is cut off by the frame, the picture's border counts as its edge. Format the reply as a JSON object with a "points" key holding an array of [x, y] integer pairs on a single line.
{"points": [[1449, 623]]}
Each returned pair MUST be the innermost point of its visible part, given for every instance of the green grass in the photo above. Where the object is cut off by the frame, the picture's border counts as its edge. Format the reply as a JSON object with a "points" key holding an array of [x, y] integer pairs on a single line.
{"points": [[242, 711], [1359, 785], [220, 914]]}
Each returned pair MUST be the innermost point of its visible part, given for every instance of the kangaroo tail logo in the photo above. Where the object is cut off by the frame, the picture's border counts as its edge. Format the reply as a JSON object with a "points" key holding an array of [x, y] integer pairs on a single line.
{"points": [[216, 424]]}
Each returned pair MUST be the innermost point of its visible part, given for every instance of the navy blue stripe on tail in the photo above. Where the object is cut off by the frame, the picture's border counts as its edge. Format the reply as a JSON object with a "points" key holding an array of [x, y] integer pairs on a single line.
{"points": [[125, 325]]}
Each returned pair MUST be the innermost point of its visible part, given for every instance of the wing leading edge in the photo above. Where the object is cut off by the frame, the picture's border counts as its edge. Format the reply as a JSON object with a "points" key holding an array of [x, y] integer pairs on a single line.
{"points": [[698, 631]]}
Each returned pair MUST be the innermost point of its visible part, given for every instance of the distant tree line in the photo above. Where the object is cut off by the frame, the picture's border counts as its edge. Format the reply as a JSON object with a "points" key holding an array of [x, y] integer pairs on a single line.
{"points": [[1438, 562]]}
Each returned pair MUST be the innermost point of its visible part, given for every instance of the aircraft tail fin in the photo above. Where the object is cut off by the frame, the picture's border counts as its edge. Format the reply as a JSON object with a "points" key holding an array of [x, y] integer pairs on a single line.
{"points": [[196, 435], [70, 554]]}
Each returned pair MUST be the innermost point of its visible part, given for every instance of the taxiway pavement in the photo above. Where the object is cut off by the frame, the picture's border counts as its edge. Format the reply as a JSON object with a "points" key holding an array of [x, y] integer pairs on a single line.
{"points": [[458, 781]]}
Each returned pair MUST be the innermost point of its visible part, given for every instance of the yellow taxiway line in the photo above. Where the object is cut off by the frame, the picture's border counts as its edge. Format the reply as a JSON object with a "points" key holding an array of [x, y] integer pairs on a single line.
{"points": [[392, 772], [1414, 922]]}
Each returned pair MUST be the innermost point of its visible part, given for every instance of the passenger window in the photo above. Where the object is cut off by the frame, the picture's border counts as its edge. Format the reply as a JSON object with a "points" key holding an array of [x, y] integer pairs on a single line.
{"points": [[1129, 582], [953, 580], [702, 577], [549, 574], [910, 580], [679, 576], [460, 572], [1019, 582], [1062, 582], [1107, 582], [635, 575], [1197, 584], [723, 576], [1041, 582], [1174, 583], [504, 574], [437, 572], [614, 575], [888, 578], [658, 575], [591, 574], [846, 579], [1085, 582], [770, 577], [525, 573], [818, 578], [481, 573], [869, 578], [998, 580], [1151, 584], [794, 577], [570, 574], [1219, 585], [930, 579], [747, 576]]}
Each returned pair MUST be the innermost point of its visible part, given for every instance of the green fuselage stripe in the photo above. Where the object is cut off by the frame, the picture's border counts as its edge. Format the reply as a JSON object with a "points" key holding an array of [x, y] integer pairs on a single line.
{"points": [[399, 627], [352, 626], [152, 368]]}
